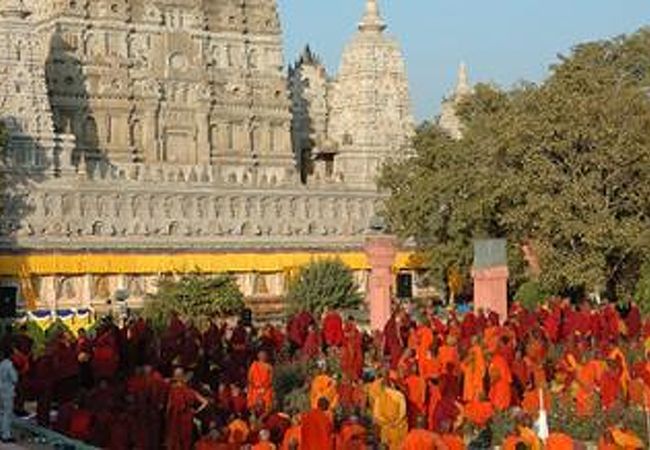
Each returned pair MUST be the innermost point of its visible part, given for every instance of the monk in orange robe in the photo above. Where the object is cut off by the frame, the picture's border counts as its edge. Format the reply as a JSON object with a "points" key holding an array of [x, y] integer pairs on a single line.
{"points": [[419, 438], [352, 435], [180, 412], [588, 377], [291, 439], [416, 395], [448, 353], [479, 413], [473, 368], [619, 439], [500, 383], [238, 432], [530, 403], [559, 441], [264, 442], [260, 383], [323, 386], [317, 428]]}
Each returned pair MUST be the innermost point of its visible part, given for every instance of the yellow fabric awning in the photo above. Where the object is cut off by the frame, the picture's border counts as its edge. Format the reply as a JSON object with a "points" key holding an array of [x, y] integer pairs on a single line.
{"points": [[179, 262]]}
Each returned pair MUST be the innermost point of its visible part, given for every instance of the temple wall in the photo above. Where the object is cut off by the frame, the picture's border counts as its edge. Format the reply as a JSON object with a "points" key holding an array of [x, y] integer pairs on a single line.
{"points": [[61, 280]]}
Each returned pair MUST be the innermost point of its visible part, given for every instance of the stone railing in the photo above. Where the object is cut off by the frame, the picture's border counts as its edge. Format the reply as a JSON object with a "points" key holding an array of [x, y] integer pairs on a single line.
{"points": [[30, 434]]}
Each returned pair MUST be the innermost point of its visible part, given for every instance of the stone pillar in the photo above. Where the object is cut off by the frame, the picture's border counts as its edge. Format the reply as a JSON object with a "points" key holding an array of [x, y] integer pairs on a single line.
{"points": [[48, 292], [491, 290], [381, 251], [86, 291]]}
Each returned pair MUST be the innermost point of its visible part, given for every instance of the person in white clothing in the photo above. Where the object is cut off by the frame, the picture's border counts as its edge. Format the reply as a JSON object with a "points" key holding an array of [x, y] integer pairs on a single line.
{"points": [[8, 381]]}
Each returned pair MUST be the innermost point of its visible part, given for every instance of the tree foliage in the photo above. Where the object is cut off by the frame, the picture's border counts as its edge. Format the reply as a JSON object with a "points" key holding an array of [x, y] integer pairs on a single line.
{"points": [[323, 284], [195, 298], [563, 165]]}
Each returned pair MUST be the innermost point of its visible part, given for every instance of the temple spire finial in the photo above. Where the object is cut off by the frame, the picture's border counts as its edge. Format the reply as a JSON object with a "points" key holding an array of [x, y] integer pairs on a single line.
{"points": [[372, 20], [463, 87]]}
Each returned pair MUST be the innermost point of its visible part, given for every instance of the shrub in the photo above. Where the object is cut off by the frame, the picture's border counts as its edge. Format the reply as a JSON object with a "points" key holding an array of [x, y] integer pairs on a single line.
{"points": [[195, 298], [531, 294], [321, 285]]}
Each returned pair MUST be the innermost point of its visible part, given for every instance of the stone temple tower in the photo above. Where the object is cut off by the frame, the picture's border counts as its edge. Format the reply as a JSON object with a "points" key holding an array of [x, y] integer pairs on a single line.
{"points": [[24, 104], [449, 120], [370, 112]]}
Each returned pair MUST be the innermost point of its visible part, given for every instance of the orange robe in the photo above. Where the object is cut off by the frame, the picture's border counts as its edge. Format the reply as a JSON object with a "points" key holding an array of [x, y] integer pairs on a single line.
{"points": [[418, 439], [510, 443], [260, 385], [559, 441], [323, 386], [479, 413], [473, 368], [291, 435], [453, 442], [238, 432], [416, 395], [587, 377], [501, 380], [263, 446], [351, 437], [447, 355], [530, 403]]}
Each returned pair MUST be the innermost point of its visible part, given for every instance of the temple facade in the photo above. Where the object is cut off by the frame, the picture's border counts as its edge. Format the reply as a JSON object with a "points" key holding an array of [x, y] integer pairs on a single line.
{"points": [[149, 138]]}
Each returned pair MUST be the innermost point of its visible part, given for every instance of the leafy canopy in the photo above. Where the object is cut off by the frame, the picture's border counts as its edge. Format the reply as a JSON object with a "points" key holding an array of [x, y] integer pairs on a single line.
{"points": [[563, 166], [321, 285], [195, 298]]}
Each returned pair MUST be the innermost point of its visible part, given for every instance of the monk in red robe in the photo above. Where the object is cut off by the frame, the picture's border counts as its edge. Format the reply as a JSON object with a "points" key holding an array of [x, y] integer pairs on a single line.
{"points": [[312, 346], [181, 412], [332, 329], [260, 383], [352, 351], [317, 428]]}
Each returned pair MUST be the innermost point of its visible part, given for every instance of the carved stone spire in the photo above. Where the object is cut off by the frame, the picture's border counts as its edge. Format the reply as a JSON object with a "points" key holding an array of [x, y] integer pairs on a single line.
{"points": [[463, 87], [13, 8], [449, 120], [372, 21]]}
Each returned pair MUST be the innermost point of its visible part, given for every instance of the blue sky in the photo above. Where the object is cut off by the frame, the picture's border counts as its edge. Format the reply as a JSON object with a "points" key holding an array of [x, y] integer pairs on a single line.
{"points": [[501, 41]]}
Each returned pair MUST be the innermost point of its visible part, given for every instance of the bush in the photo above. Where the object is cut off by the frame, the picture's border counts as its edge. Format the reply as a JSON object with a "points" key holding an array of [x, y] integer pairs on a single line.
{"points": [[321, 285], [531, 295], [289, 386], [195, 298]]}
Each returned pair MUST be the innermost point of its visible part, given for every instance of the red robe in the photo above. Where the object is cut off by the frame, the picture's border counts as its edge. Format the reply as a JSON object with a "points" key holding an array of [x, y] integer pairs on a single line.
{"points": [[352, 352], [333, 329], [297, 328], [180, 414], [81, 425], [317, 431]]}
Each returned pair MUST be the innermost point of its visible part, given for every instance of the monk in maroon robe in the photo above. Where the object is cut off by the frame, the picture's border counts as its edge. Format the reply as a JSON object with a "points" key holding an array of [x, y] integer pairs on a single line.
{"points": [[332, 329], [297, 328], [352, 351], [181, 412]]}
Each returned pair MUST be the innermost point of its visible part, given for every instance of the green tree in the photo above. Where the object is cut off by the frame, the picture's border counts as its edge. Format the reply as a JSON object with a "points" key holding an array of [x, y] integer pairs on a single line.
{"points": [[323, 284], [194, 297], [563, 165], [642, 291]]}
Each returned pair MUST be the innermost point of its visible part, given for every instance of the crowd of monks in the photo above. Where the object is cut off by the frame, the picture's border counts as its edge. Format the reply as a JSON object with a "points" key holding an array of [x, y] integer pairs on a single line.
{"points": [[420, 383]]}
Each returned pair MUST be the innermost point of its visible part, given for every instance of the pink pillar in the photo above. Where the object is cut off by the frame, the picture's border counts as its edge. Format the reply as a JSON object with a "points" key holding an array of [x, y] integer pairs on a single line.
{"points": [[381, 251], [491, 290]]}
